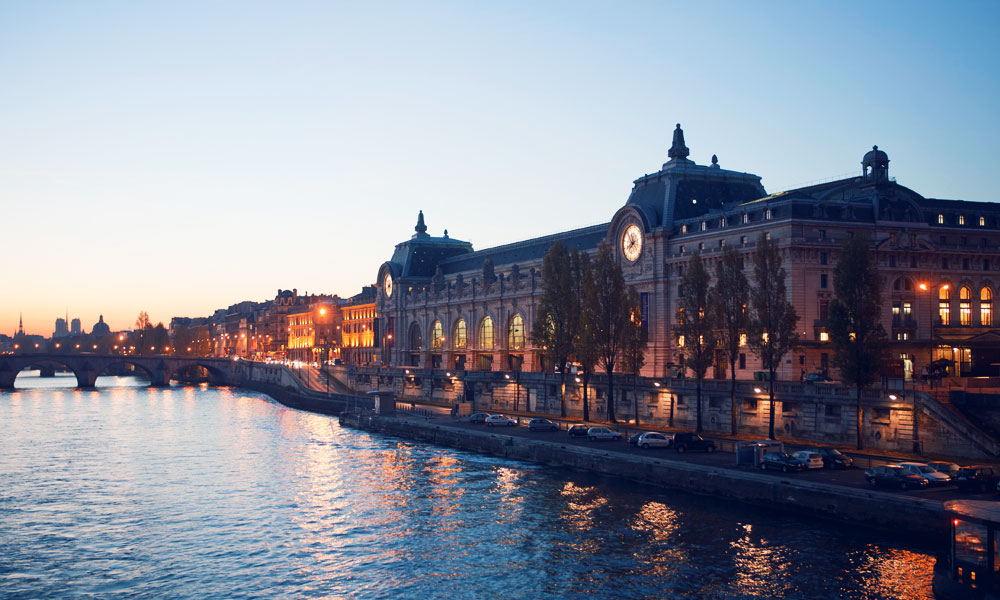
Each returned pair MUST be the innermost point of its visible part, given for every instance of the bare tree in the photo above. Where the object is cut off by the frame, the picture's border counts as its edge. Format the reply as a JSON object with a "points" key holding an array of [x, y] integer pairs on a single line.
{"points": [[609, 314], [695, 329], [771, 325], [558, 316], [729, 299]]}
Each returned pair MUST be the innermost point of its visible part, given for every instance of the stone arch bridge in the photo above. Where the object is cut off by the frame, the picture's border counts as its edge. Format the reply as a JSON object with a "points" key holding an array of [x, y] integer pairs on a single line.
{"points": [[88, 367]]}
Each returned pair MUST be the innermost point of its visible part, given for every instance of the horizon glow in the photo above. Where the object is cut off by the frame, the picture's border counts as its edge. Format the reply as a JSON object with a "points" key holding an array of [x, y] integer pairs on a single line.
{"points": [[181, 158]]}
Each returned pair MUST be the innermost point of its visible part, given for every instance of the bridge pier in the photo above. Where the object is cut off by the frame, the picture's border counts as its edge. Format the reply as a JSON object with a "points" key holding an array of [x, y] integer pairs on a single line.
{"points": [[86, 379]]}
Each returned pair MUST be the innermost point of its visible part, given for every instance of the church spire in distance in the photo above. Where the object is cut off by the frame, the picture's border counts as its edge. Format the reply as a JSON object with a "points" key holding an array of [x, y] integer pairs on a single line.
{"points": [[20, 324]]}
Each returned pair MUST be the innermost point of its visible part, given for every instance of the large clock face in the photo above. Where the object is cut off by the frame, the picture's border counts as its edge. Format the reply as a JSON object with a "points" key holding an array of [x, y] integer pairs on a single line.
{"points": [[388, 285], [632, 242]]}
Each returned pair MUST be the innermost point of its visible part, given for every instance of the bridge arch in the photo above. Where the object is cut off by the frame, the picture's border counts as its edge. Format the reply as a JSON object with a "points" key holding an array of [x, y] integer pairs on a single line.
{"points": [[136, 365], [216, 376], [12, 366]]}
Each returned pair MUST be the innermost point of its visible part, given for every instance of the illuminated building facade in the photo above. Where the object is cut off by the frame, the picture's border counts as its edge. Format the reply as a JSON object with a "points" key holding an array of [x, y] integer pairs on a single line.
{"points": [[313, 330], [443, 305], [359, 340]]}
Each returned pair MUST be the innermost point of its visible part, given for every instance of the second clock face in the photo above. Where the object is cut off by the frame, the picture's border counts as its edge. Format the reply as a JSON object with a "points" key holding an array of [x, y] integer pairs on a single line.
{"points": [[388, 285], [632, 242]]}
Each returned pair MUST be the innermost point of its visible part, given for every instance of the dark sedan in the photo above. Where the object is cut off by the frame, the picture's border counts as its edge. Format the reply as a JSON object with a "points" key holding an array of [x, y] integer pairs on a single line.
{"points": [[894, 476], [578, 430], [782, 461], [692, 441], [542, 425], [976, 478], [833, 458]]}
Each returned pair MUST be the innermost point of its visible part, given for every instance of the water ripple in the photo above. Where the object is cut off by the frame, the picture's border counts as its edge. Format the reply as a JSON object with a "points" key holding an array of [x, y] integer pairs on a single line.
{"points": [[192, 492]]}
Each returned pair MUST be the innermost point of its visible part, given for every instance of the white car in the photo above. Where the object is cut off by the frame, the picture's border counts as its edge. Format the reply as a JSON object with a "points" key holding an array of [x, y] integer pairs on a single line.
{"points": [[810, 460], [603, 433], [653, 439], [933, 477], [500, 421]]}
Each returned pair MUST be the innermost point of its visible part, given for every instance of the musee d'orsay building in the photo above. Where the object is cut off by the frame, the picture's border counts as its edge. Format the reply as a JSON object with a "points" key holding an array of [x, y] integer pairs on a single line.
{"points": [[442, 304]]}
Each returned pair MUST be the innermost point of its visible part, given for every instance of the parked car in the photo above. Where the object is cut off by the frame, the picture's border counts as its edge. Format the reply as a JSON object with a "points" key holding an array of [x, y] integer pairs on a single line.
{"points": [[634, 438], [542, 425], [692, 441], [833, 458], [478, 418], [578, 431], [603, 433], [933, 477], [809, 459], [948, 468], [782, 461], [894, 476], [654, 439], [500, 421], [977, 478]]}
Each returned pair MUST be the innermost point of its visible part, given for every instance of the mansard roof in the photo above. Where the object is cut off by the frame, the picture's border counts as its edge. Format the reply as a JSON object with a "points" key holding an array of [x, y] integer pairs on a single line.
{"points": [[586, 238]]}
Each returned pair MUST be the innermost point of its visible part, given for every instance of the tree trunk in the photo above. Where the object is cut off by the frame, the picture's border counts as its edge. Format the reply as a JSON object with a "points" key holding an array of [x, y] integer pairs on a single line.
{"points": [[734, 413], [698, 400], [635, 397], [770, 403], [586, 401], [861, 420], [673, 401], [611, 395]]}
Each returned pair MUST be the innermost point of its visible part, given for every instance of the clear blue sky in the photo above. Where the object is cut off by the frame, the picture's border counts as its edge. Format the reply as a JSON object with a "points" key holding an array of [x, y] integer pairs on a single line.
{"points": [[177, 157]]}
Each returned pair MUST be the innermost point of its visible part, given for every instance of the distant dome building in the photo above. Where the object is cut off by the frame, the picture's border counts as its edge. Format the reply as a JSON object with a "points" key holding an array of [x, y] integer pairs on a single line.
{"points": [[100, 328]]}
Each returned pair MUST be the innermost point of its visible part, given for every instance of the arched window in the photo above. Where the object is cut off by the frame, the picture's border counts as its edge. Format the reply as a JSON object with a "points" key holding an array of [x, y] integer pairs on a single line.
{"points": [[486, 334], [986, 307], [415, 338], [515, 333], [437, 335], [944, 304], [965, 306], [459, 336]]}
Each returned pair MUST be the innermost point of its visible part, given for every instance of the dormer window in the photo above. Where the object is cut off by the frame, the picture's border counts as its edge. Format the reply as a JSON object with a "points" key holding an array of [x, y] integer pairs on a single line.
{"points": [[982, 221], [961, 219], [767, 215], [940, 219], [704, 226], [722, 222], [746, 218], [684, 229]]}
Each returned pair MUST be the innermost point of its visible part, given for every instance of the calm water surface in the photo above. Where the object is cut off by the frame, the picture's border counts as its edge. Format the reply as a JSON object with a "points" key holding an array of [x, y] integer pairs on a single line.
{"points": [[192, 492]]}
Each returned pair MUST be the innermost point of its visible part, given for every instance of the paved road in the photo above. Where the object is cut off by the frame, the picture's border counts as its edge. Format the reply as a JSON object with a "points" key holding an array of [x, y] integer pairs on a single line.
{"points": [[854, 478]]}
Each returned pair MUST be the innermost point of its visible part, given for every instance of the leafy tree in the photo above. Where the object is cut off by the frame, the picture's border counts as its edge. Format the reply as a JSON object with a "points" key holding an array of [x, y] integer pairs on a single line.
{"points": [[609, 314], [859, 341], [729, 299], [771, 323], [587, 351], [558, 316], [634, 351], [696, 324]]}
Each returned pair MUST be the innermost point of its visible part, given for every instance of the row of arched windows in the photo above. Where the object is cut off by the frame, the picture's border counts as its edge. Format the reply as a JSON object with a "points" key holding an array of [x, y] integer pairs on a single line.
{"points": [[965, 296], [485, 335]]}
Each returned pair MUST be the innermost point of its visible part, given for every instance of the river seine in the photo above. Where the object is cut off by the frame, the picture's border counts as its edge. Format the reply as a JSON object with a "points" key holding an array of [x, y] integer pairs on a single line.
{"points": [[192, 492]]}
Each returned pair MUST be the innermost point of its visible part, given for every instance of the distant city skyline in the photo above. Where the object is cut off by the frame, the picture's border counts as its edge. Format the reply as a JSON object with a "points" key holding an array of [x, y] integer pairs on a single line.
{"points": [[181, 158]]}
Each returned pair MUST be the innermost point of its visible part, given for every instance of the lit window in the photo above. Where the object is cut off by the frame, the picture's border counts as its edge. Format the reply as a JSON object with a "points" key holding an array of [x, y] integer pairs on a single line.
{"points": [[767, 215], [961, 219], [680, 341], [684, 229], [460, 336], [940, 219], [907, 309], [515, 334], [982, 221], [743, 339], [722, 222], [824, 336], [965, 306], [746, 218], [436, 334], [944, 305], [486, 334], [986, 307], [722, 243]]}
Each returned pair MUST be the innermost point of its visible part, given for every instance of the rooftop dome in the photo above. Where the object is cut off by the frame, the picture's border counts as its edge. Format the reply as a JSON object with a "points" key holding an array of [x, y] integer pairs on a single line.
{"points": [[875, 155]]}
